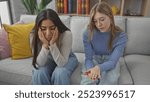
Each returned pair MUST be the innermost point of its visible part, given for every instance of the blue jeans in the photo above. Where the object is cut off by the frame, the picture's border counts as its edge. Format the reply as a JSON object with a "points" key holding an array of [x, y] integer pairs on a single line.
{"points": [[51, 74], [107, 77]]}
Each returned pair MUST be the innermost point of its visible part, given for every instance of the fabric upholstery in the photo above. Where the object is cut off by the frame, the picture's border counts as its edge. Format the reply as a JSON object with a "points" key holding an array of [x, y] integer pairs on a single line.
{"points": [[19, 39], [77, 26], [16, 71], [138, 30], [139, 66], [76, 75], [125, 78], [4, 44], [120, 22], [31, 18]]}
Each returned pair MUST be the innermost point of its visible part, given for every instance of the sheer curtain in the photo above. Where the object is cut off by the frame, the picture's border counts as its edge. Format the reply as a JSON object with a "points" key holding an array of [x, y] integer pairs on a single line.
{"points": [[4, 12]]}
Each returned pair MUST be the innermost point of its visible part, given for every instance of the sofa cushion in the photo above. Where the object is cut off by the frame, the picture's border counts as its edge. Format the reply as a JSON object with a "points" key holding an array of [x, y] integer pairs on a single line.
{"points": [[65, 20], [16, 71], [76, 75], [4, 44], [77, 25], [5, 52], [138, 31], [120, 22], [139, 66], [125, 77], [20, 71], [27, 18], [31, 18], [19, 39]]}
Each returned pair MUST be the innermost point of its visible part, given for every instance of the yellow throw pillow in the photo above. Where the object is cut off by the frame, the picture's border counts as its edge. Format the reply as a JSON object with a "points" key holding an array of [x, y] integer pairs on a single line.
{"points": [[19, 39]]}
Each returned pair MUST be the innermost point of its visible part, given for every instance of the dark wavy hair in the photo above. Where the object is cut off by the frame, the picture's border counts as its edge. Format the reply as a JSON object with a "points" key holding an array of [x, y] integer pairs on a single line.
{"points": [[43, 15]]}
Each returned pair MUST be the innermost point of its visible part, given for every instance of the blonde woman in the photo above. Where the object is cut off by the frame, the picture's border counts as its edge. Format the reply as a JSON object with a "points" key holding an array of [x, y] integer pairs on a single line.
{"points": [[104, 44]]}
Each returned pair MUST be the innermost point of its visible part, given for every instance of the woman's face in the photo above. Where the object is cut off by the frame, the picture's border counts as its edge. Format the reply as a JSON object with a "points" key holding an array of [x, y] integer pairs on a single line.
{"points": [[47, 27], [102, 22]]}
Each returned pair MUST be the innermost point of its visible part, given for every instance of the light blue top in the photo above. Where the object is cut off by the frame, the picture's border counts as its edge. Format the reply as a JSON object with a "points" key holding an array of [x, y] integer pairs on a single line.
{"points": [[99, 46]]}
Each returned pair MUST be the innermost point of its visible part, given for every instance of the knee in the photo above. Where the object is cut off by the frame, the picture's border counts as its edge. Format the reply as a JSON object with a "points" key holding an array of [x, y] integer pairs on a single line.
{"points": [[40, 77], [60, 76], [60, 72], [113, 78], [39, 72]]}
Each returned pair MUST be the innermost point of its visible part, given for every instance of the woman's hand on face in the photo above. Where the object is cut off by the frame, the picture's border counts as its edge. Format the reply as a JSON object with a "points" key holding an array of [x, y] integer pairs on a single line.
{"points": [[42, 38], [93, 73], [54, 37]]}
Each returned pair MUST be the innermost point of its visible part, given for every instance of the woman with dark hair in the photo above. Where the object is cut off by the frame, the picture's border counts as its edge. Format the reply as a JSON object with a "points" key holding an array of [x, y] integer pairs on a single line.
{"points": [[53, 59], [104, 44]]}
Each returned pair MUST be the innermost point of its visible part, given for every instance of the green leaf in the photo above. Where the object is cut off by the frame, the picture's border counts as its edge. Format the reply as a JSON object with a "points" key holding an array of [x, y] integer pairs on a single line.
{"points": [[42, 5], [32, 6]]}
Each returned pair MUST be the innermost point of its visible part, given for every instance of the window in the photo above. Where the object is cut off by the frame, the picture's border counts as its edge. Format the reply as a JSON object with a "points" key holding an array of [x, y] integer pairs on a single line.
{"points": [[5, 16]]}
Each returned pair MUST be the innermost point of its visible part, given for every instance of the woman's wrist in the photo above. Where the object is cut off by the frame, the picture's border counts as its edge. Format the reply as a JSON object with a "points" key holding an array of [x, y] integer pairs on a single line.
{"points": [[46, 46]]}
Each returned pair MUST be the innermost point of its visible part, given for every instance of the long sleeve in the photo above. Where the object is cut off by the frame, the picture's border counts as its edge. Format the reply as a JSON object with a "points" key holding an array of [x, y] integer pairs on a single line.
{"points": [[116, 53], [99, 46], [61, 55], [43, 53], [88, 51], [42, 57]]}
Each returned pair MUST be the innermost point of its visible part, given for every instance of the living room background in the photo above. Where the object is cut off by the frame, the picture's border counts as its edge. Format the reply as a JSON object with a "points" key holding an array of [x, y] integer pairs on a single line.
{"points": [[17, 8], [134, 63]]}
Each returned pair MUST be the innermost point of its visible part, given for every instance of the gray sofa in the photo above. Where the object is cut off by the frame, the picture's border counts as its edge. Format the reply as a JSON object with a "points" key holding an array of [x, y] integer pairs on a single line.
{"points": [[135, 63]]}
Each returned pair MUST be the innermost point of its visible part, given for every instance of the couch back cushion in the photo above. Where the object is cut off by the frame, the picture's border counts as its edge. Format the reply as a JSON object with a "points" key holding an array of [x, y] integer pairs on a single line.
{"points": [[31, 18], [138, 31], [77, 25], [5, 50], [27, 18], [4, 45], [19, 39], [120, 22]]}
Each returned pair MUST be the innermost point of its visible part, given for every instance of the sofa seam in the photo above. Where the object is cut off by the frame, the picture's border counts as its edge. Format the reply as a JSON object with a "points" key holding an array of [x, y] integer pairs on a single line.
{"points": [[133, 83]]}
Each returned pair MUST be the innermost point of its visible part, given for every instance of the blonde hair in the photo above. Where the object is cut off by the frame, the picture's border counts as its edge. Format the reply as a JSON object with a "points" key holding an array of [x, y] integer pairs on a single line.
{"points": [[104, 8]]}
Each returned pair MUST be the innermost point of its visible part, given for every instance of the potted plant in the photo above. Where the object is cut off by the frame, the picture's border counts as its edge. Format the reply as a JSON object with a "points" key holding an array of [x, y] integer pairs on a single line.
{"points": [[33, 7]]}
